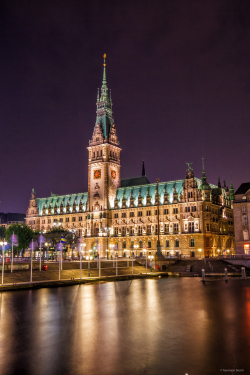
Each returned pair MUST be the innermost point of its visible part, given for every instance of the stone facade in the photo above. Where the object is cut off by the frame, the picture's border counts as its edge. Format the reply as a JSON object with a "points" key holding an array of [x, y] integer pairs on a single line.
{"points": [[241, 211], [195, 217]]}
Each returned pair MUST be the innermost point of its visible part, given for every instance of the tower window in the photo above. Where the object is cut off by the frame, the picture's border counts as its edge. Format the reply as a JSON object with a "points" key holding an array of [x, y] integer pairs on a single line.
{"points": [[190, 194]]}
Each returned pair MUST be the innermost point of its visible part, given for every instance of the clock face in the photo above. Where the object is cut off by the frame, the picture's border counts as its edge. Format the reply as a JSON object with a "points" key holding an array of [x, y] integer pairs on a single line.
{"points": [[97, 174], [113, 175]]}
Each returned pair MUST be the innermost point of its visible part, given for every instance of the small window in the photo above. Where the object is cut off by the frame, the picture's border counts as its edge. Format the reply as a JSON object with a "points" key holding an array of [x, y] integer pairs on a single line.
{"points": [[148, 213], [244, 197], [73, 219], [124, 245], [176, 243], [139, 213], [124, 214], [187, 209], [67, 219], [166, 211], [61, 220], [131, 214], [175, 210], [208, 227], [193, 208], [192, 242], [140, 244], [167, 243], [190, 194], [156, 212], [116, 216]]}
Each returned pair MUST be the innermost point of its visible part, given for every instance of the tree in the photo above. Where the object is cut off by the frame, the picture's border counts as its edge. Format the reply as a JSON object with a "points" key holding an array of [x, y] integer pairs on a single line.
{"points": [[2, 233], [24, 235]]}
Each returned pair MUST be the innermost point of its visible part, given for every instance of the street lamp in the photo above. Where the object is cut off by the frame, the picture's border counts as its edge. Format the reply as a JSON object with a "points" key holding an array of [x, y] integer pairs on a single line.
{"points": [[150, 257], [136, 248], [200, 252], [3, 243]]}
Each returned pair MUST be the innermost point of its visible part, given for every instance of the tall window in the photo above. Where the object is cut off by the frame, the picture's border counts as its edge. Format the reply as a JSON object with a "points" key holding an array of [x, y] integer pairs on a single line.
{"points": [[156, 212], [176, 227], [208, 228], [140, 244], [148, 229], [167, 243], [244, 220], [132, 244], [131, 230], [149, 244], [156, 229], [124, 245], [140, 229], [116, 231], [192, 243], [177, 243], [166, 228], [191, 226], [124, 231], [244, 209]]}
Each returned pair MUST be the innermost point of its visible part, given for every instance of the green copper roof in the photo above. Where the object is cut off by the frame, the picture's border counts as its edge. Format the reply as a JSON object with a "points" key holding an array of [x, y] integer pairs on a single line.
{"points": [[57, 200]]}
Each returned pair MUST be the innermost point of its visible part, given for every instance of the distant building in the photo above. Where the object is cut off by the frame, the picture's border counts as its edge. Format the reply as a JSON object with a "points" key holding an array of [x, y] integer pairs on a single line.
{"points": [[241, 209], [195, 217], [11, 218]]}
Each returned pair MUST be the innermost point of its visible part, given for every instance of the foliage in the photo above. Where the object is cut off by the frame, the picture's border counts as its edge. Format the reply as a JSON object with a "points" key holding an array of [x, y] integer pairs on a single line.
{"points": [[2, 233], [24, 235]]}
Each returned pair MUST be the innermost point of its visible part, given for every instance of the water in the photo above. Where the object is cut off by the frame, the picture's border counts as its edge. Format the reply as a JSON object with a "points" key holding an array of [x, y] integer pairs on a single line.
{"points": [[158, 326]]}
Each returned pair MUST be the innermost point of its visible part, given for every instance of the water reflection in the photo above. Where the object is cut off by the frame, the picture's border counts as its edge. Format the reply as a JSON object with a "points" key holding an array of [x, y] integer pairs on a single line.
{"points": [[157, 326]]}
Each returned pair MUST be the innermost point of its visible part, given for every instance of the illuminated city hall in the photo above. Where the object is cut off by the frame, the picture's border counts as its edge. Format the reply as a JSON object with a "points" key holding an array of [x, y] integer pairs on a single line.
{"points": [[195, 217]]}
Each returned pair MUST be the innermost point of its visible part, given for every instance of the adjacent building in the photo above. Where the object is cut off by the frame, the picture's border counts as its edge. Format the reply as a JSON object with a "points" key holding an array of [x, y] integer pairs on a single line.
{"points": [[241, 211], [11, 218], [121, 215]]}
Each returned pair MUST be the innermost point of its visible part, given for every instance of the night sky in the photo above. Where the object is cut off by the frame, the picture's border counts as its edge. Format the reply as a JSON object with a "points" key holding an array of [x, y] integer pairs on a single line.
{"points": [[180, 78]]}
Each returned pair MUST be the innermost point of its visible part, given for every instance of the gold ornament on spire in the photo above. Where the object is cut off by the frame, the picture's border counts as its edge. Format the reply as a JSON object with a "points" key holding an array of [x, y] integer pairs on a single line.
{"points": [[104, 56]]}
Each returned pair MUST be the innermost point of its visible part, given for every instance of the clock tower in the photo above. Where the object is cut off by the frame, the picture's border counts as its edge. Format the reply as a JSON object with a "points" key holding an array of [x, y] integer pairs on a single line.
{"points": [[103, 156]]}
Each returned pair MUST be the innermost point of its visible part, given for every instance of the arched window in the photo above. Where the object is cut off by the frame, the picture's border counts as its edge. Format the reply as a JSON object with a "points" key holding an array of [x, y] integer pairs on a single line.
{"points": [[192, 242], [177, 244], [124, 245], [141, 244], [149, 244], [167, 243]]}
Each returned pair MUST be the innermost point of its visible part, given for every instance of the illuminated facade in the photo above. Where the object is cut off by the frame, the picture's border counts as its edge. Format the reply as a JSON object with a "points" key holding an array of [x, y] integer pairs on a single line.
{"points": [[242, 219], [195, 217]]}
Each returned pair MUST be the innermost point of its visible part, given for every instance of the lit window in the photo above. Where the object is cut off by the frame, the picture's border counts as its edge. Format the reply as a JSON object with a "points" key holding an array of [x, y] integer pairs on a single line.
{"points": [[192, 243]]}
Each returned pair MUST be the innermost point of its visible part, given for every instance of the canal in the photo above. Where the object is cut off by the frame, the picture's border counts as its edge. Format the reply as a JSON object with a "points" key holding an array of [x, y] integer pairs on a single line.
{"points": [[173, 326]]}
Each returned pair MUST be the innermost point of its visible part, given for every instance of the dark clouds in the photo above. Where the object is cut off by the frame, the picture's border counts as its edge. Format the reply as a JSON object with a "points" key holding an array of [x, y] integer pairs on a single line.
{"points": [[179, 74]]}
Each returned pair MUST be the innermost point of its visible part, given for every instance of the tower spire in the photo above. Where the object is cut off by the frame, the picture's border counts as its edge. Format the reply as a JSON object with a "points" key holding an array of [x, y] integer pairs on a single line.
{"points": [[104, 82], [143, 169]]}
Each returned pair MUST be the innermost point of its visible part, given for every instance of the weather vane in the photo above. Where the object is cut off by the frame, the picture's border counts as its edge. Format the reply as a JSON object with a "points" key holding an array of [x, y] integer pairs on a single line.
{"points": [[189, 166]]}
